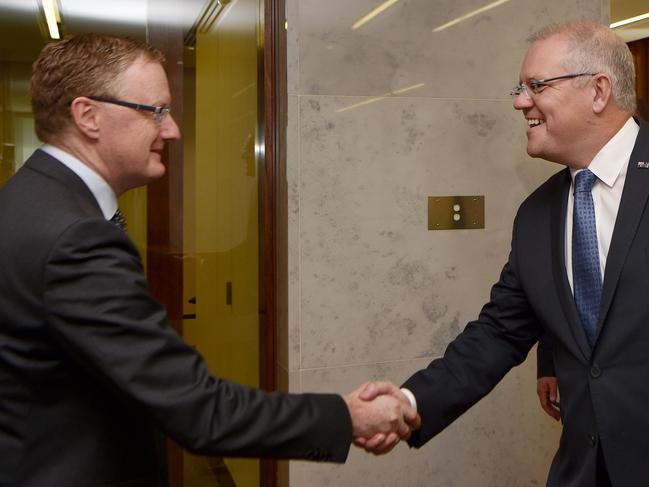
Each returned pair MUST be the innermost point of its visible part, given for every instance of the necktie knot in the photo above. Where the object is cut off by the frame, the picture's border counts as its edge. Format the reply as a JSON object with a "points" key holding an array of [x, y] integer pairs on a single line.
{"points": [[584, 181], [119, 220]]}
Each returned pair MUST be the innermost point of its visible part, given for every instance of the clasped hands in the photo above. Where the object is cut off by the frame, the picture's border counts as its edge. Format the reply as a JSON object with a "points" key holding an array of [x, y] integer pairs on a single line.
{"points": [[381, 416]]}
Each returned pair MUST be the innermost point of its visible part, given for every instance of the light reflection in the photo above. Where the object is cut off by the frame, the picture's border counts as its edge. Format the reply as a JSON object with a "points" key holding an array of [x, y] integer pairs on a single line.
{"points": [[381, 8], [631, 20], [469, 15], [52, 17], [381, 97]]}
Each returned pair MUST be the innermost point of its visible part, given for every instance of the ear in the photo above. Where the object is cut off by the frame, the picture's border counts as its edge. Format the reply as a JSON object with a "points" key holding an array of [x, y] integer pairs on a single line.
{"points": [[84, 114], [603, 92]]}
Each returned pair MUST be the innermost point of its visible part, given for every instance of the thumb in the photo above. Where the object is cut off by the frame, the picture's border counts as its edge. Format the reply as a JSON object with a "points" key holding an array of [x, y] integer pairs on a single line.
{"points": [[410, 414], [368, 391], [371, 390]]}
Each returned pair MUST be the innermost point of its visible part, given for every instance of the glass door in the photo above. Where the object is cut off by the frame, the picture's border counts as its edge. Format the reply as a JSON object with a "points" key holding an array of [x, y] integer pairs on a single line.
{"points": [[221, 216]]}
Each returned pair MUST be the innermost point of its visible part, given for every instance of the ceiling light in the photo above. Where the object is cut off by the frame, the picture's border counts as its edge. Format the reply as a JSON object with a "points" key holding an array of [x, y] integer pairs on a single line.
{"points": [[631, 20], [381, 8], [469, 15], [53, 18]]}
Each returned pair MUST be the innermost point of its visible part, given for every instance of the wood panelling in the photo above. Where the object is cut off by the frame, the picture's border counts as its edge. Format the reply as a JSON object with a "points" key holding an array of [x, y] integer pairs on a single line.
{"points": [[640, 51]]}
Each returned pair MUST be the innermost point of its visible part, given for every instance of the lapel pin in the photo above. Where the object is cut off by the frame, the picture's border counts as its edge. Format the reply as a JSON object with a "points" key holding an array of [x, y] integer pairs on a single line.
{"points": [[643, 165]]}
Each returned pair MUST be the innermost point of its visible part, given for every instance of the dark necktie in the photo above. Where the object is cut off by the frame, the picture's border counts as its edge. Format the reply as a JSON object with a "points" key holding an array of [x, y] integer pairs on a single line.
{"points": [[586, 276], [119, 220]]}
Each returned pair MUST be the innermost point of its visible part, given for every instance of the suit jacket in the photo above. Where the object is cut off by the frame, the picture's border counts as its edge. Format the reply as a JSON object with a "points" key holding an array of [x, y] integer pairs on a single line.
{"points": [[604, 390], [90, 368]]}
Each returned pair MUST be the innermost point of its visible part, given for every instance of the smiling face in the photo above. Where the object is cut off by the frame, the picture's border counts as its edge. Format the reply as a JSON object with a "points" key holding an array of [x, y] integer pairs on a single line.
{"points": [[132, 141], [558, 117]]}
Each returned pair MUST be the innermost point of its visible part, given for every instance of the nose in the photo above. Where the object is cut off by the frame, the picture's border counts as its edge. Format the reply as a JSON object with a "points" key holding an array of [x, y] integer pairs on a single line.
{"points": [[522, 101], [169, 129]]}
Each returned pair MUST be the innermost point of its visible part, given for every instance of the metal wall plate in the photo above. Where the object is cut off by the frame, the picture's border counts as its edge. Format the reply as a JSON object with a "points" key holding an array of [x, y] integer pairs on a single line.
{"points": [[455, 212]]}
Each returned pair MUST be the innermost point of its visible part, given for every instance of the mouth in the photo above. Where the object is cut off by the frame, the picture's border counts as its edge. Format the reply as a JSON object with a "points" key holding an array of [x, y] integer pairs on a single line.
{"points": [[534, 122]]}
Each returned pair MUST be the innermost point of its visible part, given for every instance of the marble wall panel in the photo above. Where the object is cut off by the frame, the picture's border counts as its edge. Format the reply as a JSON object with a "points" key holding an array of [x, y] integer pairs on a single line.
{"points": [[506, 429], [292, 47], [376, 284], [477, 58], [289, 332]]}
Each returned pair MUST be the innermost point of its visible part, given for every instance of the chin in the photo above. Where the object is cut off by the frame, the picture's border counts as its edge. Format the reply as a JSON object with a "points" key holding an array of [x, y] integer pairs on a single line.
{"points": [[156, 169]]}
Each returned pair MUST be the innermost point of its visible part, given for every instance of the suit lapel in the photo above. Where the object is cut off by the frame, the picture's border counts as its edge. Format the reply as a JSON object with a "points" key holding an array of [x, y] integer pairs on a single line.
{"points": [[632, 206], [558, 238]]}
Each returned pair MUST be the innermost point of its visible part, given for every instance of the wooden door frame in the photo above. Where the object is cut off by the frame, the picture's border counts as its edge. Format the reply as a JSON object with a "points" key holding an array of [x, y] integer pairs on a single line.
{"points": [[273, 260], [640, 51], [165, 202]]}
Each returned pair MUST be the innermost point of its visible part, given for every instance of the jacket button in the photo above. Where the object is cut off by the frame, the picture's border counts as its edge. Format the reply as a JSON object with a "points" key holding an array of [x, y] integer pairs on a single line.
{"points": [[593, 440], [595, 372]]}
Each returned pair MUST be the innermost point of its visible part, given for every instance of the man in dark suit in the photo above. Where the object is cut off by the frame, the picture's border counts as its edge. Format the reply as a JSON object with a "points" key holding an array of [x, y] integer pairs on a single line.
{"points": [[578, 270], [90, 370]]}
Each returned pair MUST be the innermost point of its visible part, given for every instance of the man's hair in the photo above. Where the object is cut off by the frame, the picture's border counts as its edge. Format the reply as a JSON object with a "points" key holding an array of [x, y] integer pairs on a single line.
{"points": [[594, 48], [84, 65]]}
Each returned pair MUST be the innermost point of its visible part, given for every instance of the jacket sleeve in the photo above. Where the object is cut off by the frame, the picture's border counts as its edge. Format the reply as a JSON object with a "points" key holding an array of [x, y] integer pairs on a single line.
{"points": [[100, 312], [545, 358], [478, 358]]}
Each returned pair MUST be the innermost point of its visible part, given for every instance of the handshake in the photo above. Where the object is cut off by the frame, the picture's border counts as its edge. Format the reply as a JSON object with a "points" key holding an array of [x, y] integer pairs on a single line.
{"points": [[381, 416]]}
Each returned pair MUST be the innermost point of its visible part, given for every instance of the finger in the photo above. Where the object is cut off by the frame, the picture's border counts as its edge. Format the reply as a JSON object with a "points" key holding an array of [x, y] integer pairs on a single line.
{"points": [[385, 387], [368, 391], [411, 417], [552, 412], [403, 430], [375, 441], [552, 391], [413, 422], [416, 423], [543, 393], [390, 442], [360, 441]]}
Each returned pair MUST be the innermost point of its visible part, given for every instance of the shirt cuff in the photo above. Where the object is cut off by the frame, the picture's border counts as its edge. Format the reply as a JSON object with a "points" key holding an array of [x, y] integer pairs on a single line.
{"points": [[411, 397]]}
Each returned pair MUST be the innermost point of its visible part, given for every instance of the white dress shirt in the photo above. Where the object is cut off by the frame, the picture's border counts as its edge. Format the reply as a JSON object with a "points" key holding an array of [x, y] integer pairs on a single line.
{"points": [[609, 165], [99, 188]]}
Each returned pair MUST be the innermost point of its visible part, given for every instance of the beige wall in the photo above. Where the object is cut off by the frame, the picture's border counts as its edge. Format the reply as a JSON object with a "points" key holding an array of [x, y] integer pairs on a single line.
{"points": [[373, 293]]}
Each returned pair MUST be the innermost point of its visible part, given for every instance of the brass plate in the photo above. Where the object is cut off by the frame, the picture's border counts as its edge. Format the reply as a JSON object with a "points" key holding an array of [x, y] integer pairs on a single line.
{"points": [[455, 212]]}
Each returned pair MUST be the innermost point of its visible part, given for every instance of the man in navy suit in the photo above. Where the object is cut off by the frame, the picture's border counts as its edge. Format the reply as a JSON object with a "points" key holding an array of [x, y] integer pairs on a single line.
{"points": [[90, 369], [578, 270]]}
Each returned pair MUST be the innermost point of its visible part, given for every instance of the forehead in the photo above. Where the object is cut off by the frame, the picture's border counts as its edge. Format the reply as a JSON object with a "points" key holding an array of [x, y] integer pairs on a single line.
{"points": [[146, 81], [545, 58]]}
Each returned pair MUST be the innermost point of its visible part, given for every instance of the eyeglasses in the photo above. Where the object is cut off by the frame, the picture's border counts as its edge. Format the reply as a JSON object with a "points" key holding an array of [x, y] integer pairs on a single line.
{"points": [[159, 113], [536, 86]]}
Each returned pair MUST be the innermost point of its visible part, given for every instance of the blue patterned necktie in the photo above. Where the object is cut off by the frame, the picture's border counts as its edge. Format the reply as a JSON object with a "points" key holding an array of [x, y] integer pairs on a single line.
{"points": [[586, 276], [119, 220]]}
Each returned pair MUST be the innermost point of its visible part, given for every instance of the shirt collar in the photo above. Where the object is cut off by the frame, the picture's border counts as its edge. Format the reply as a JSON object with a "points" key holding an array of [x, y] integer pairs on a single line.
{"points": [[99, 188], [612, 159]]}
